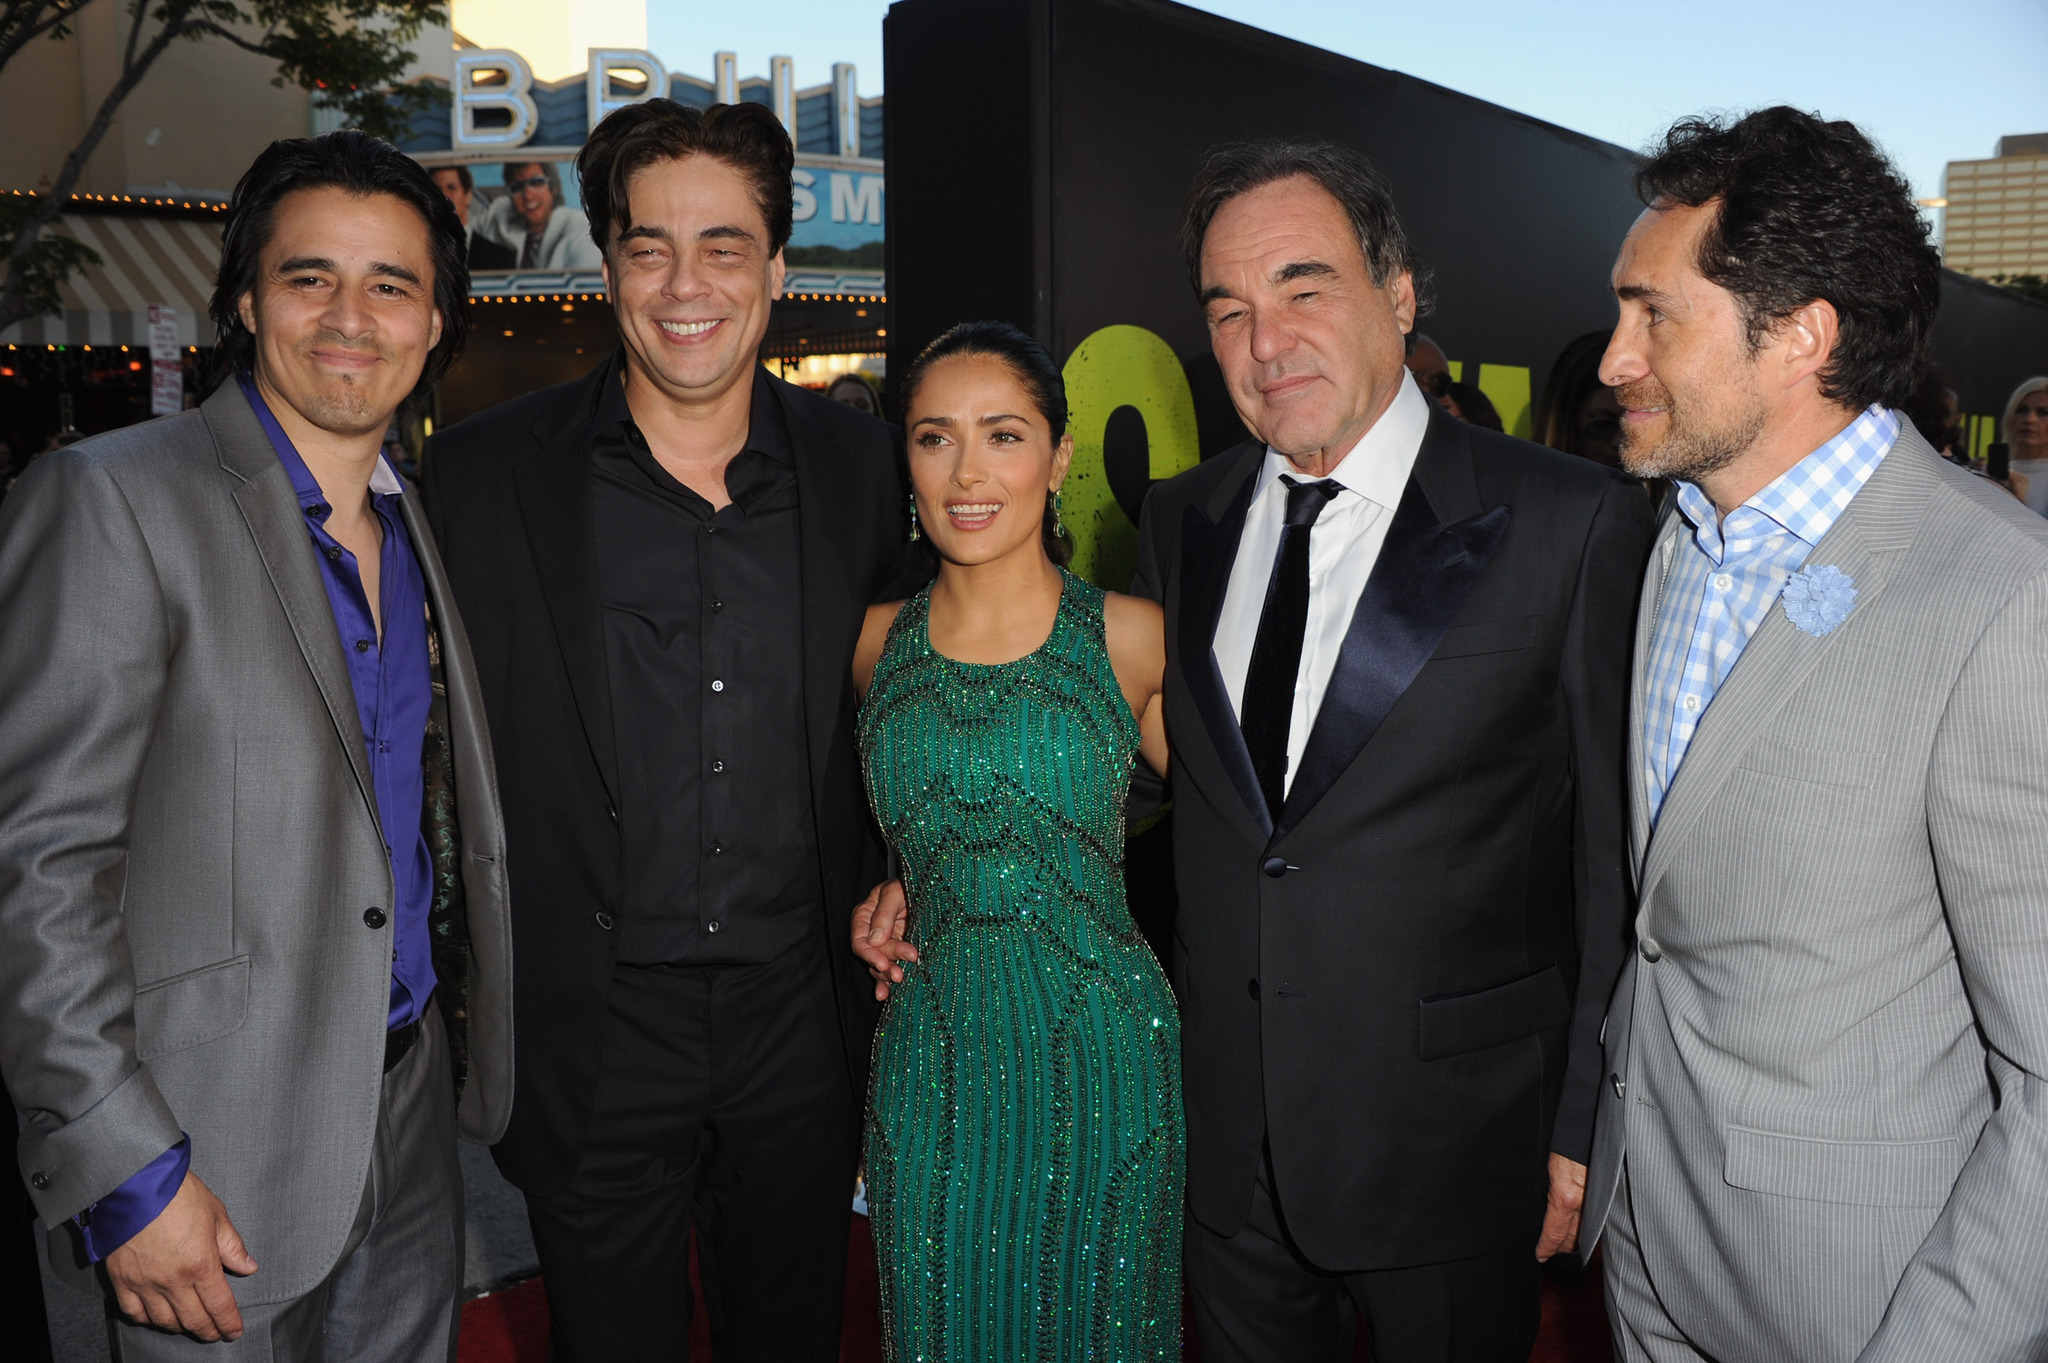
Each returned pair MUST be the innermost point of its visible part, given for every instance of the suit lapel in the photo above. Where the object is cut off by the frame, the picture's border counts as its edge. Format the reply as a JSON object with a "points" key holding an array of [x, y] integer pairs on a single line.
{"points": [[278, 526], [1209, 540], [551, 479], [1647, 610], [1876, 525], [832, 598], [1437, 545]]}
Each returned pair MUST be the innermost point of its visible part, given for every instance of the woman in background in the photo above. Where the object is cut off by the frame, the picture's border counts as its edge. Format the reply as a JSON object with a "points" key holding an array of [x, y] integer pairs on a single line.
{"points": [[2024, 429], [1025, 1148]]}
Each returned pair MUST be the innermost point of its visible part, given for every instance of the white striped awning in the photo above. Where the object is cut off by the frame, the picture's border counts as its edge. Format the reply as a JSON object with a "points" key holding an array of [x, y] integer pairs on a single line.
{"points": [[143, 261]]}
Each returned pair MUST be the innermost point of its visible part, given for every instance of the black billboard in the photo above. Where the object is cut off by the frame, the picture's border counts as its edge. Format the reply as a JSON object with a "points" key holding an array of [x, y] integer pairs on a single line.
{"points": [[1038, 153]]}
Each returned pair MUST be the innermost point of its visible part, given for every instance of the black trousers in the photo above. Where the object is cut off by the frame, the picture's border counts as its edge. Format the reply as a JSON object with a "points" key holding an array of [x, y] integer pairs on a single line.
{"points": [[1258, 1300], [723, 1101]]}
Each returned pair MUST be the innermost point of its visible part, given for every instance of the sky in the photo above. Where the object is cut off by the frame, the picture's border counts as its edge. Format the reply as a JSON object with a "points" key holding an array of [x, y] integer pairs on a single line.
{"points": [[1933, 81]]}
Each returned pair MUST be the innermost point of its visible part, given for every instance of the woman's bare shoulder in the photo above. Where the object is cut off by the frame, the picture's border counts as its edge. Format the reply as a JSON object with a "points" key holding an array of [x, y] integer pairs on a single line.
{"points": [[874, 633]]}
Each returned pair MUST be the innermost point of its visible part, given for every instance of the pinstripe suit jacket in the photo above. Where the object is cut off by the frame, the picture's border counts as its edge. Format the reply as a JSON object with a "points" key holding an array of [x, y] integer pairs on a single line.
{"points": [[1828, 1059]]}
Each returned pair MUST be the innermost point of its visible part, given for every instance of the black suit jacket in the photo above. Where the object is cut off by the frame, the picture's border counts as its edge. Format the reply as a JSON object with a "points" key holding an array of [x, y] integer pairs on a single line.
{"points": [[1398, 983], [508, 495], [486, 254]]}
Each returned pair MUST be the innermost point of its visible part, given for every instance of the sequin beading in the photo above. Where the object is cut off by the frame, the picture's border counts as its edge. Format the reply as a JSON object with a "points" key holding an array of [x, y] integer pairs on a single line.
{"points": [[1025, 1146]]}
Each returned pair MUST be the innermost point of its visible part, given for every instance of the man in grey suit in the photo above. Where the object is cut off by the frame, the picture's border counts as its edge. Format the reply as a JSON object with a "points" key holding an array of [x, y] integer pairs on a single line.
{"points": [[251, 861], [1824, 1133]]}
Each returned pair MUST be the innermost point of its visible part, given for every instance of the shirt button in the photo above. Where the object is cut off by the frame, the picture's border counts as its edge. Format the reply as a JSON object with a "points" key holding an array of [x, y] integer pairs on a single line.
{"points": [[718, 765], [1690, 703], [715, 847], [334, 552], [717, 686], [40, 1179], [1722, 582], [604, 920], [717, 605], [362, 645], [712, 926], [373, 917]]}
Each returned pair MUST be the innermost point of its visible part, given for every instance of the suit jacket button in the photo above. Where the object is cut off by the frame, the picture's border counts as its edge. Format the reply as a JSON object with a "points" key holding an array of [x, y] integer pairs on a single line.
{"points": [[1251, 986], [1651, 951], [373, 916], [40, 1179], [1275, 867], [1620, 1084], [604, 920]]}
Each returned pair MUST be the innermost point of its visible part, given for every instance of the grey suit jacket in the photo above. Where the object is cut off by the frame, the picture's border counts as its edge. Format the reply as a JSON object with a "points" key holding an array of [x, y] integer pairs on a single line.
{"points": [[189, 841], [1828, 1060]]}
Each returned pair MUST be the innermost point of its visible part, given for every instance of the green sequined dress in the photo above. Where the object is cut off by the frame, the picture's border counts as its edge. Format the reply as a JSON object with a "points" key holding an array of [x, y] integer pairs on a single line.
{"points": [[1025, 1148]]}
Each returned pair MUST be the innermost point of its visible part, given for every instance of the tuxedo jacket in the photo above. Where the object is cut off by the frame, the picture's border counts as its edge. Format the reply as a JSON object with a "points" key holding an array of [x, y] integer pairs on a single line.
{"points": [[1826, 1060], [194, 883], [1396, 983], [508, 493]]}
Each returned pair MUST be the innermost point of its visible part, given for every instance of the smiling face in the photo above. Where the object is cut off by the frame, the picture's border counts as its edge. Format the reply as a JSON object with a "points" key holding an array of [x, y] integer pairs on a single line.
{"points": [[692, 278], [449, 182], [343, 309], [532, 195], [1680, 363], [982, 460], [1310, 347], [2028, 431]]}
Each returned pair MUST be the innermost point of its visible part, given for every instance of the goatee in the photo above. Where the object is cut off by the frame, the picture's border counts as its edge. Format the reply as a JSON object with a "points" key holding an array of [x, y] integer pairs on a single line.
{"points": [[1690, 449]]}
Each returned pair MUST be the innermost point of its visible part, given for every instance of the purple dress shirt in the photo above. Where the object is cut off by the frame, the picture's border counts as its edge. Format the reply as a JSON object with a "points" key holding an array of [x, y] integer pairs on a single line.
{"points": [[393, 687]]}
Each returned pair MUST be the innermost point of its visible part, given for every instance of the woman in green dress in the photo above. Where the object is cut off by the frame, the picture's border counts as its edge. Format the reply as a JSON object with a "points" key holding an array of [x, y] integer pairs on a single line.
{"points": [[1025, 1148]]}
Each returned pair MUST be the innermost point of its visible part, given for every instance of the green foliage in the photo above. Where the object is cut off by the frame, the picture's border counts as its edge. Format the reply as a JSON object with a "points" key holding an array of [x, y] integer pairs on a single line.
{"points": [[350, 54], [2025, 285], [50, 260]]}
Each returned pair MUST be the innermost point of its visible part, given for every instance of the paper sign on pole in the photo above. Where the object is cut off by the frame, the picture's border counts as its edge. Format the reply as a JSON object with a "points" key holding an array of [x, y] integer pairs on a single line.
{"points": [[166, 364]]}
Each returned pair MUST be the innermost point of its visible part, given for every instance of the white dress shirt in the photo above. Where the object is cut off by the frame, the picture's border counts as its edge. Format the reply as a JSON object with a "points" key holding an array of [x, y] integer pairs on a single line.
{"points": [[1342, 550]]}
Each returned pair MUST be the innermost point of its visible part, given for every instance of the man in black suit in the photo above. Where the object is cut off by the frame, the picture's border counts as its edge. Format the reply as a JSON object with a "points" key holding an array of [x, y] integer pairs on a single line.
{"points": [[460, 188], [665, 567], [1397, 692]]}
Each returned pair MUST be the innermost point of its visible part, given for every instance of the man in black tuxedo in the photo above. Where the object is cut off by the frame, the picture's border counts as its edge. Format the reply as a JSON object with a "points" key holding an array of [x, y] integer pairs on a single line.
{"points": [[664, 567], [1397, 692]]}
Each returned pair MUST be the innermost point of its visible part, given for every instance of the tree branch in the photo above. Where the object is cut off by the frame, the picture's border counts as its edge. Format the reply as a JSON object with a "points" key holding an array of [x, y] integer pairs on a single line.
{"points": [[17, 33], [13, 299]]}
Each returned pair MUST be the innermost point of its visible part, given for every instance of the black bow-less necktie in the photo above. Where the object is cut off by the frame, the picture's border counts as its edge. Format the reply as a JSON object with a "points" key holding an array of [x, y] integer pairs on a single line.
{"points": [[1268, 706]]}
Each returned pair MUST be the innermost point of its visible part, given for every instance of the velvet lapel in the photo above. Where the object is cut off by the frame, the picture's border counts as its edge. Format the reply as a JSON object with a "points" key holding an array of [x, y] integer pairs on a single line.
{"points": [[278, 526], [832, 598], [551, 477], [1437, 545], [1209, 540], [1877, 525]]}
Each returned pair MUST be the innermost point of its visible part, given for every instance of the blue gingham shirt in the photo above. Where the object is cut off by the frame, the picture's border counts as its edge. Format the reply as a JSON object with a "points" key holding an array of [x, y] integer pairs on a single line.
{"points": [[1726, 577]]}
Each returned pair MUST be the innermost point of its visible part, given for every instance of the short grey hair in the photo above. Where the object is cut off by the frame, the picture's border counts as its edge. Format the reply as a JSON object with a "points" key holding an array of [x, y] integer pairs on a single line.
{"points": [[1236, 168]]}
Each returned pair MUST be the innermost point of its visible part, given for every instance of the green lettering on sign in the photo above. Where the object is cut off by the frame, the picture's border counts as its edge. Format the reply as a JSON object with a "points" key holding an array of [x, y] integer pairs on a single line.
{"points": [[1114, 368]]}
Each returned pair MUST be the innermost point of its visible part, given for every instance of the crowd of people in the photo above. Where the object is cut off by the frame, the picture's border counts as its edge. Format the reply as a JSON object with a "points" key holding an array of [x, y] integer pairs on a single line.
{"points": [[1557, 867]]}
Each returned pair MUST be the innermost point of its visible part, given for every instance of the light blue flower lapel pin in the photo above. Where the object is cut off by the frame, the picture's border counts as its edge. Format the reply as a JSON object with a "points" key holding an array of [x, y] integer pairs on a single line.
{"points": [[1818, 599]]}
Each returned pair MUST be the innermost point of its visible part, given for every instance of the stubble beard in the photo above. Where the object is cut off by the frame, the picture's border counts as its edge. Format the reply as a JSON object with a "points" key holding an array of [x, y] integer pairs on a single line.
{"points": [[1691, 448]]}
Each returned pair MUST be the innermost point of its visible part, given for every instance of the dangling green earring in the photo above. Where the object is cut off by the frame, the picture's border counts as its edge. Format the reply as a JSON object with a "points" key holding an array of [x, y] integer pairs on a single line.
{"points": [[913, 518], [1059, 527]]}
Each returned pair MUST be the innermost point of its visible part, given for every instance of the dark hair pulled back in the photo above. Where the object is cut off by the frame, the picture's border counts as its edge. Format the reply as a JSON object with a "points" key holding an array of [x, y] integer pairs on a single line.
{"points": [[1028, 361]]}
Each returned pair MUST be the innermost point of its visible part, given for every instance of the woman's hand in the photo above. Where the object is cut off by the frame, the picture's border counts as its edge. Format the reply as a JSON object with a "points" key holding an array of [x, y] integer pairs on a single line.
{"points": [[878, 925]]}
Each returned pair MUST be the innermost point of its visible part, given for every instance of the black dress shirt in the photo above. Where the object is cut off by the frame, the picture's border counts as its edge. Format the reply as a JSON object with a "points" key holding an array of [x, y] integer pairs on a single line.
{"points": [[704, 647]]}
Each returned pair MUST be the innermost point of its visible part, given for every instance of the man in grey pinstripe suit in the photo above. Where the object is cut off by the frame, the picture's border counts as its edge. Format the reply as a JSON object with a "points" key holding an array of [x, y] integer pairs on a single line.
{"points": [[1825, 1129]]}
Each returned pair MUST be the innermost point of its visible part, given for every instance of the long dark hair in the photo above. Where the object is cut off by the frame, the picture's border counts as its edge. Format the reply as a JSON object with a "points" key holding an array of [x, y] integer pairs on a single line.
{"points": [[1028, 361], [358, 164]]}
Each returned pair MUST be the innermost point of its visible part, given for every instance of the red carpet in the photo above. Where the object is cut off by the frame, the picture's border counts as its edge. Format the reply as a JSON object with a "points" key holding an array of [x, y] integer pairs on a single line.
{"points": [[512, 1326]]}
